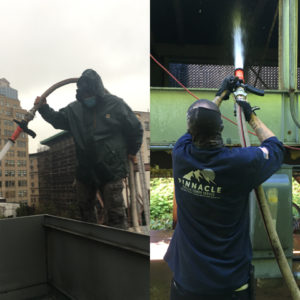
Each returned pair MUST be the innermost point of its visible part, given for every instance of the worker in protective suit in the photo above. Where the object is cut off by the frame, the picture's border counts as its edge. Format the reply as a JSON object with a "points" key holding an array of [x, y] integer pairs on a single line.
{"points": [[210, 251], [106, 133]]}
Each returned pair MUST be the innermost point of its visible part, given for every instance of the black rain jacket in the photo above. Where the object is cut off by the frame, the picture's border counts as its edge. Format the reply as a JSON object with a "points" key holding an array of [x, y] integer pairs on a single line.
{"points": [[103, 135]]}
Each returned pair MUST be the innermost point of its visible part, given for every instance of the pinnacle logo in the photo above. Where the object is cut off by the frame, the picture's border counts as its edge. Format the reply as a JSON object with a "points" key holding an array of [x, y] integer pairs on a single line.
{"points": [[200, 183], [206, 174]]}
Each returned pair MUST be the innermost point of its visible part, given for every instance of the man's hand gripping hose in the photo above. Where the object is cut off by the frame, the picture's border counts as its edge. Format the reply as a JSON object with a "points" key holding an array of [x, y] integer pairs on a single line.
{"points": [[23, 125]]}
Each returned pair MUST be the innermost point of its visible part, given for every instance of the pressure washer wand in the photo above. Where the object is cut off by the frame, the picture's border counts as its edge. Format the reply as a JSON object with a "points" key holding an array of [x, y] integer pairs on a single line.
{"points": [[241, 95], [23, 125]]}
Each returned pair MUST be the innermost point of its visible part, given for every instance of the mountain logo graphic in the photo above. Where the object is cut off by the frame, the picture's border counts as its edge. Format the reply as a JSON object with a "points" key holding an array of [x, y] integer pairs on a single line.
{"points": [[206, 174]]}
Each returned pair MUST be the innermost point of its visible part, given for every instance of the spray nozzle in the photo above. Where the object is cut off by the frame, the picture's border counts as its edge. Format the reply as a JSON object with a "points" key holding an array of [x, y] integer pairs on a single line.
{"points": [[249, 88], [239, 73]]}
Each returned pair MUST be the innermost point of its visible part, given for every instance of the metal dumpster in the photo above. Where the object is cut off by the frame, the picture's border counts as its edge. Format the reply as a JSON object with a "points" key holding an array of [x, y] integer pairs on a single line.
{"points": [[47, 257]]}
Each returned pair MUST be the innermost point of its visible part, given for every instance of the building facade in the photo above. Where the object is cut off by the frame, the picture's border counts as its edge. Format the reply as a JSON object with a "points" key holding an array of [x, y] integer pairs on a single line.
{"points": [[56, 174], [34, 179], [14, 166]]}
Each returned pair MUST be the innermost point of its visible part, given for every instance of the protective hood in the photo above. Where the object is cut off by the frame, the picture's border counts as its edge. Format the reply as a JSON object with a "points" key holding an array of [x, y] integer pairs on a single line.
{"points": [[205, 124], [89, 84]]}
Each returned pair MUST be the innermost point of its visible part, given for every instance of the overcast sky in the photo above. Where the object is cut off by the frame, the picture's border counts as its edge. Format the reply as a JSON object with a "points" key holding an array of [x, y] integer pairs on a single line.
{"points": [[43, 42]]}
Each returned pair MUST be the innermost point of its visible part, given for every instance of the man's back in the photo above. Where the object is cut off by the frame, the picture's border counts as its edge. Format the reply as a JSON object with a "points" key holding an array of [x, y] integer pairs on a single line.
{"points": [[210, 250]]}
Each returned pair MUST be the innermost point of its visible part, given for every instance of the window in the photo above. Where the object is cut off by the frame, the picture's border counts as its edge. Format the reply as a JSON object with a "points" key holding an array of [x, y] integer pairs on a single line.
{"points": [[10, 173], [9, 163], [22, 182], [9, 183], [22, 194], [8, 123], [8, 113], [19, 116], [11, 153], [8, 132], [21, 144], [21, 153], [22, 173], [10, 194], [21, 163]]}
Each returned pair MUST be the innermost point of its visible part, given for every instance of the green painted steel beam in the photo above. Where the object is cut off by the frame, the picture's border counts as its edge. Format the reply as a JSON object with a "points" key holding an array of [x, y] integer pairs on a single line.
{"points": [[169, 106], [287, 63]]}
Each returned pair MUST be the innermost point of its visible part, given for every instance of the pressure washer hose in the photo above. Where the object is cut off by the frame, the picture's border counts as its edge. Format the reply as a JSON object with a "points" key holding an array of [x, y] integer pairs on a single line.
{"points": [[276, 245], [267, 218], [133, 197], [31, 113]]}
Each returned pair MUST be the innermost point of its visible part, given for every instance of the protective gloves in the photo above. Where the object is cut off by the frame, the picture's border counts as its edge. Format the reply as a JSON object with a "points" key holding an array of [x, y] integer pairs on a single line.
{"points": [[229, 84], [247, 109]]}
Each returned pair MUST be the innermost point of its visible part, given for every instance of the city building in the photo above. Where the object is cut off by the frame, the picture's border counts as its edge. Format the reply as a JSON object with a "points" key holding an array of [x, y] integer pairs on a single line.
{"points": [[56, 173], [34, 179], [14, 166]]}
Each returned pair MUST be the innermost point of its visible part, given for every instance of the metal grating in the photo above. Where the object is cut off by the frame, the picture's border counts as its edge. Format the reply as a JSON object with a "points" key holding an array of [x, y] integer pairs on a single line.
{"points": [[211, 76], [267, 79], [199, 76]]}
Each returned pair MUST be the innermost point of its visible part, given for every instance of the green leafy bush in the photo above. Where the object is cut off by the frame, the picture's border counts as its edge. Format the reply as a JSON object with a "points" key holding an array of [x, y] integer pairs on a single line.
{"points": [[296, 192], [161, 208]]}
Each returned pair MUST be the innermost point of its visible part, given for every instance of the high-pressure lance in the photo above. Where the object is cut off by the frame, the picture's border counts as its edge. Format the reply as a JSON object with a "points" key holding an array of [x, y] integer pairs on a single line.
{"points": [[242, 87], [241, 95]]}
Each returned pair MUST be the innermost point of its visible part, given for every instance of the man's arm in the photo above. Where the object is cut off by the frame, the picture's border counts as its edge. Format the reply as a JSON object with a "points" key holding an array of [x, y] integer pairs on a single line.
{"points": [[261, 130], [57, 119], [132, 129], [218, 100]]}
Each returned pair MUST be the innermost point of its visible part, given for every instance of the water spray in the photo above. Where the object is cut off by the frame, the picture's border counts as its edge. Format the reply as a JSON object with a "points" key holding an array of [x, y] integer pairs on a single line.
{"points": [[238, 40], [241, 95]]}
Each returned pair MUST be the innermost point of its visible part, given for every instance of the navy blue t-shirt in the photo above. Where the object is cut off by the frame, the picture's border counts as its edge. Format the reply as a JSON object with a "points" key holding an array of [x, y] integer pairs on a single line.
{"points": [[210, 251]]}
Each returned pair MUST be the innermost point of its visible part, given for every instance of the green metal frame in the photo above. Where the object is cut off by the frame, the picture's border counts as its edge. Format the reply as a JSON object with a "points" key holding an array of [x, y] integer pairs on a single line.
{"points": [[169, 106]]}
